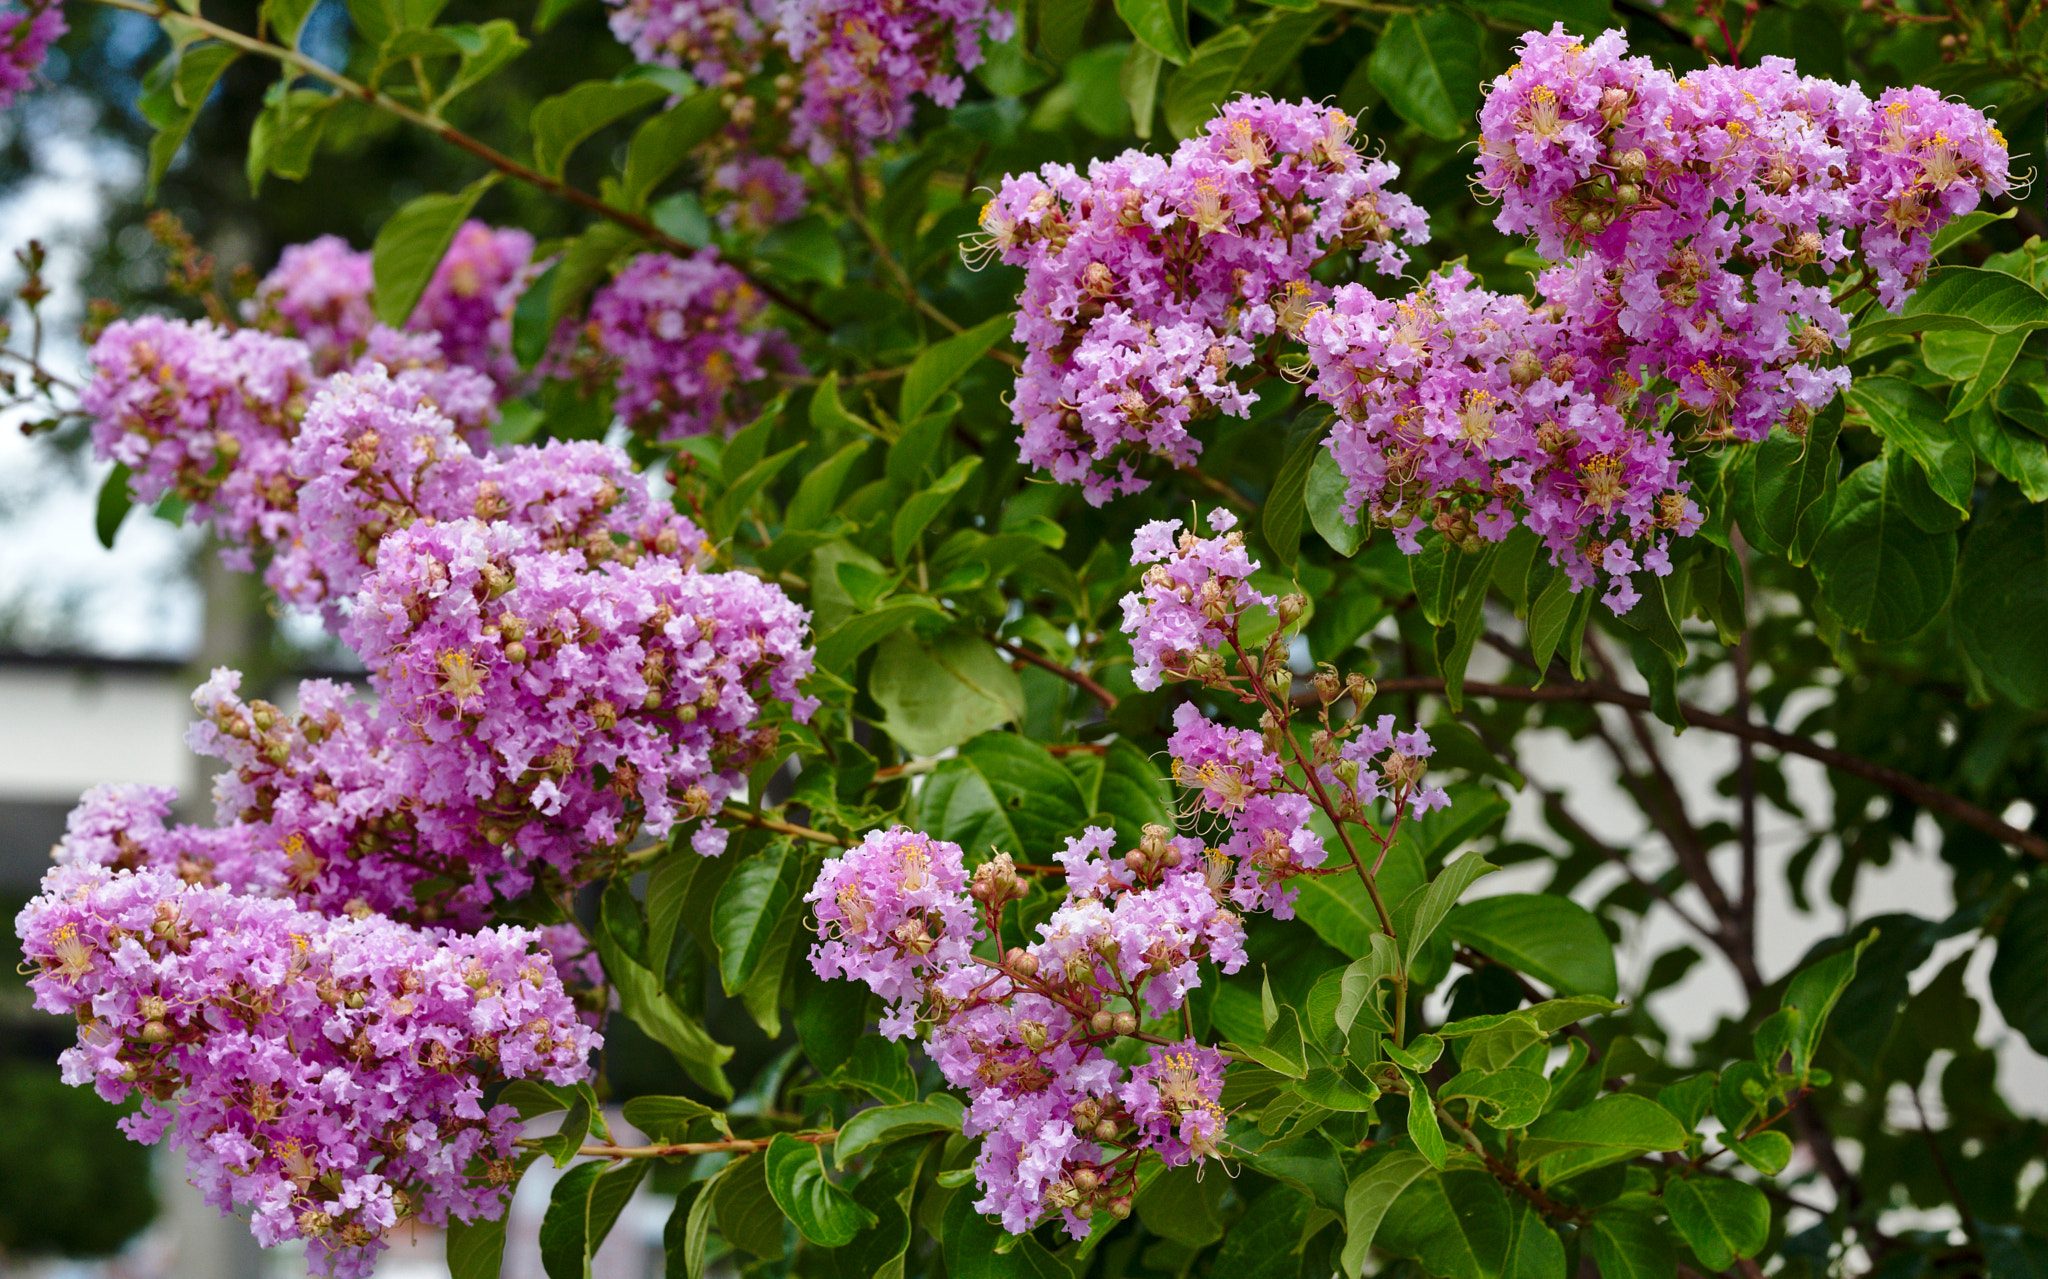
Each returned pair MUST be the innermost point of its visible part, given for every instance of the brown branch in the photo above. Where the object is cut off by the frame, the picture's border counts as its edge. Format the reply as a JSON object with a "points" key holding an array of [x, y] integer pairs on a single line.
{"points": [[1928, 797], [1072, 676], [737, 1146], [761, 821]]}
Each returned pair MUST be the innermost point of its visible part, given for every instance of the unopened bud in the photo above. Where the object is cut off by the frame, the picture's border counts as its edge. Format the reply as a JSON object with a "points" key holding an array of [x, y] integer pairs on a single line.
{"points": [[1102, 1022], [1106, 1130], [515, 653], [155, 1032], [1136, 862], [1524, 367], [1291, 607], [1125, 1023], [1120, 1207], [1086, 1180], [1171, 859]]}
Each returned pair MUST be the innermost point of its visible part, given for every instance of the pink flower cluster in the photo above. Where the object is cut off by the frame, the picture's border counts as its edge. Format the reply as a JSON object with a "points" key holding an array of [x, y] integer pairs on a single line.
{"points": [[1063, 1122], [1151, 283], [321, 293], [862, 60], [320, 1071], [685, 339], [1688, 185], [1196, 586], [858, 63], [1466, 411], [27, 31], [1185, 623], [375, 454]]}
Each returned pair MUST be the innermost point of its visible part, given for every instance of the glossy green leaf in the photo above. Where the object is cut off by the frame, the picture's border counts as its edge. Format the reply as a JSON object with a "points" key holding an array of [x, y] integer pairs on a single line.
{"points": [[936, 694], [1719, 1219], [1436, 900], [1880, 573], [1208, 78], [1161, 25], [1287, 501], [822, 1212], [1614, 1127], [806, 249], [2001, 602], [1423, 1128], [1371, 1193], [1002, 791], [1968, 298], [1912, 418], [1454, 1224], [748, 1216], [643, 998], [1183, 1205], [476, 1249], [749, 906], [1426, 65], [1138, 81], [1550, 938], [1784, 487], [923, 506], [940, 365], [1509, 1098], [411, 244], [559, 123], [975, 1247], [663, 143], [1627, 1243], [171, 100], [880, 1124], [665, 1118], [581, 1211], [113, 506], [1324, 497]]}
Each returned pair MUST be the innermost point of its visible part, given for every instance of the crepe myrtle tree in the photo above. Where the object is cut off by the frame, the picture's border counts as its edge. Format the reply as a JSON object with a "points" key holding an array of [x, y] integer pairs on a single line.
{"points": [[962, 647]]}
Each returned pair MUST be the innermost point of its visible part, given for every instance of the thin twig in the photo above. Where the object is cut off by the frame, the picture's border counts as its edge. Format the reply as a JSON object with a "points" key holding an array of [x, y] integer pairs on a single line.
{"points": [[1928, 797], [668, 1150], [1072, 676]]}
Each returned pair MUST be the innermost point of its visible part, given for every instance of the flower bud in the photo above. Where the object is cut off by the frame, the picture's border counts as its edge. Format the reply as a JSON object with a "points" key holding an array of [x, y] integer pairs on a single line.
{"points": [[155, 1032], [515, 653], [1102, 1022], [1136, 862], [1291, 607], [1120, 1207], [1125, 1023], [1087, 1180], [1524, 367], [1106, 1130], [1172, 858], [1279, 680]]}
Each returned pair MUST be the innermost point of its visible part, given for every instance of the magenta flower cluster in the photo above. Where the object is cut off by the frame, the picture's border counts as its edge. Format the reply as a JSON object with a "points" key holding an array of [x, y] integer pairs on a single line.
{"points": [[1152, 286], [1027, 1036], [857, 63], [27, 31], [321, 1071], [685, 340]]}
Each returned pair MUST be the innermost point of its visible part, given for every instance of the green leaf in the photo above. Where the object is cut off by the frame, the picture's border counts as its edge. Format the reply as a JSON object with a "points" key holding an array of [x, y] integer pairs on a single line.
{"points": [[1631, 1245], [880, 1068], [1427, 66], [1768, 1152], [2019, 973], [1906, 486], [476, 1249], [1371, 1193], [940, 365], [1963, 297], [484, 49], [1436, 901], [1813, 991], [805, 249], [1182, 1205], [1324, 497], [1510, 1098], [749, 906], [285, 18], [684, 1238], [881, 1124], [666, 141], [1912, 418], [2001, 603], [550, 12], [1265, 1243], [1207, 79], [856, 635], [1162, 25], [1882, 575], [748, 1215], [1282, 1049], [1719, 1219], [411, 244], [821, 1211], [819, 489], [1287, 500], [581, 1211], [1550, 938], [559, 123], [1423, 1128], [666, 1118], [1536, 1252], [643, 998], [1138, 80], [286, 134], [1615, 1127], [1784, 487], [172, 97], [922, 507], [936, 694], [976, 1248], [1454, 1224], [564, 1142], [115, 501], [1003, 791]]}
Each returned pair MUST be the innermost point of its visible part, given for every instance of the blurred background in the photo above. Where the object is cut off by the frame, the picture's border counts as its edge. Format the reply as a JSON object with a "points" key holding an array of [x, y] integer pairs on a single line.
{"points": [[100, 647]]}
